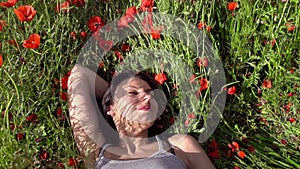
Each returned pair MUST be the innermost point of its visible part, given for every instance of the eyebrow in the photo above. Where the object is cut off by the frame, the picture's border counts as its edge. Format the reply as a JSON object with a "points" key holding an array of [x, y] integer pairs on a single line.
{"points": [[138, 88]]}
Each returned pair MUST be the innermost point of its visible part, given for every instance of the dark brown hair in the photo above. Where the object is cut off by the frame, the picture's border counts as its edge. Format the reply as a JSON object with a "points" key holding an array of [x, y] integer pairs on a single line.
{"points": [[108, 97]]}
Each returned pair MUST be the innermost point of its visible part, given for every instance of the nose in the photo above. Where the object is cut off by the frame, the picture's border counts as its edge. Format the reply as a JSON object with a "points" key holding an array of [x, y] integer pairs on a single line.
{"points": [[146, 96]]}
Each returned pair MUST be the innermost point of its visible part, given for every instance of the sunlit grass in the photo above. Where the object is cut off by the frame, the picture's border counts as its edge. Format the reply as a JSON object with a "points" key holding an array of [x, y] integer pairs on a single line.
{"points": [[256, 42]]}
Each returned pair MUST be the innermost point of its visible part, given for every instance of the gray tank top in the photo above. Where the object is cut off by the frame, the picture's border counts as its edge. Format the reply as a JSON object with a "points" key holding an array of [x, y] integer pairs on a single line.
{"points": [[159, 160]]}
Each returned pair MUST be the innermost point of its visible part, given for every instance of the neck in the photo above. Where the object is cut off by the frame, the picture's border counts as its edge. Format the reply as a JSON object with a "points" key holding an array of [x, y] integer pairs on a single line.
{"points": [[133, 135], [133, 143]]}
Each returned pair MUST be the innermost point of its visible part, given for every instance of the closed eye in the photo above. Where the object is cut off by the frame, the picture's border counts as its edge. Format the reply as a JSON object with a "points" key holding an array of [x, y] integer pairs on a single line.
{"points": [[133, 93], [148, 91]]}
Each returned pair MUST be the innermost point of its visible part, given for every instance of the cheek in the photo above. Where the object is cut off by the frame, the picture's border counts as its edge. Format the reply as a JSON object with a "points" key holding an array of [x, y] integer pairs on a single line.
{"points": [[154, 106], [132, 100], [123, 104]]}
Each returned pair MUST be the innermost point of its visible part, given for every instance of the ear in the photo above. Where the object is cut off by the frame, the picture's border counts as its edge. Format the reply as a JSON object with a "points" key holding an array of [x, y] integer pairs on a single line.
{"points": [[111, 111]]}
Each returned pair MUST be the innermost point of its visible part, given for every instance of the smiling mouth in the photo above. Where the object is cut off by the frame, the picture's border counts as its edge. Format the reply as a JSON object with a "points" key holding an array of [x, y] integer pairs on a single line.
{"points": [[144, 108]]}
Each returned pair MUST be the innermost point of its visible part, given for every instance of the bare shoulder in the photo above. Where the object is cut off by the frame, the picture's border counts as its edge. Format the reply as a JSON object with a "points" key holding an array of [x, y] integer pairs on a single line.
{"points": [[188, 149], [185, 142]]}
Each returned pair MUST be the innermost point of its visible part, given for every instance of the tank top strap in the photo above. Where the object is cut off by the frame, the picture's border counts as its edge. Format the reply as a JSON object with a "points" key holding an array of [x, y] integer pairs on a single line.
{"points": [[164, 145], [103, 149], [160, 143]]}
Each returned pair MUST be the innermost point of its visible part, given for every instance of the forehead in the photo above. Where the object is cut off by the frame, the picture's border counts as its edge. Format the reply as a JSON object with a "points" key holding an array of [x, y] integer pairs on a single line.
{"points": [[134, 83], [137, 83], [131, 84]]}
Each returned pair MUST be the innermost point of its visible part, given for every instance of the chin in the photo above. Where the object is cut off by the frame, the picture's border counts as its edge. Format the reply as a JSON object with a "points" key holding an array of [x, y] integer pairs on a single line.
{"points": [[138, 128]]}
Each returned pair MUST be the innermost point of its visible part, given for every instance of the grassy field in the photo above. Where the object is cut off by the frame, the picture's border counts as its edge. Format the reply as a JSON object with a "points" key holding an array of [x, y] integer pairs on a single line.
{"points": [[257, 41]]}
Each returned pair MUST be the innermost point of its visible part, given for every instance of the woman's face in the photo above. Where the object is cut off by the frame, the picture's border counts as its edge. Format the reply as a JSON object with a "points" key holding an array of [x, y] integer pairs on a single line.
{"points": [[134, 101]]}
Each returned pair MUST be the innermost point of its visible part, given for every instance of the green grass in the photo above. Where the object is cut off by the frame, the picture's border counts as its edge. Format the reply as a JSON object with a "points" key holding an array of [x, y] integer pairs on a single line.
{"points": [[29, 78]]}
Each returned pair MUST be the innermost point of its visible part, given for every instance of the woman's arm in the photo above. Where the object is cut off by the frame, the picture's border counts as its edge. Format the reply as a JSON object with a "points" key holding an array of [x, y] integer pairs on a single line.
{"points": [[189, 150], [83, 87]]}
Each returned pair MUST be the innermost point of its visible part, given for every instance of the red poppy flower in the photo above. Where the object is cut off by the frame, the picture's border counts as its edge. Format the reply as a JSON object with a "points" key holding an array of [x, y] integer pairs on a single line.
{"points": [[191, 115], [2, 24], [192, 78], [231, 147], [101, 64], [95, 23], [251, 149], [106, 45], [214, 154], [131, 11], [83, 34], [125, 20], [20, 136], [208, 28], [9, 3], [43, 154], [10, 117], [292, 120], [60, 165], [147, 5], [231, 90], [267, 84], [187, 122], [236, 167], [290, 27], [202, 62], [172, 120], [73, 35], [72, 161], [128, 17], [287, 107], [64, 82], [64, 7], [1, 60], [241, 154], [284, 142], [203, 84], [12, 127], [33, 42], [147, 22], [31, 118], [273, 42], [201, 25], [245, 139], [234, 146], [155, 33], [25, 13], [290, 94], [232, 6], [63, 95], [118, 55], [292, 70], [125, 47], [213, 144], [12, 42], [263, 120], [161, 78], [78, 3], [59, 112]]}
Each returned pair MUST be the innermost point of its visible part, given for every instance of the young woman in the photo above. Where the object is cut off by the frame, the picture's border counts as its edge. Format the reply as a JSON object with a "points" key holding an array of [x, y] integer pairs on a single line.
{"points": [[130, 105]]}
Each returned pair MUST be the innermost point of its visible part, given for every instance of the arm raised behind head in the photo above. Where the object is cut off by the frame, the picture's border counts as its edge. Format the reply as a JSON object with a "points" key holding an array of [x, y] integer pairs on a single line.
{"points": [[84, 86]]}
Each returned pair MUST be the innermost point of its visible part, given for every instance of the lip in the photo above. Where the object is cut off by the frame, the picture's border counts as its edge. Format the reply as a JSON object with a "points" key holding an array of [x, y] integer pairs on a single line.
{"points": [[146, 107]]}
